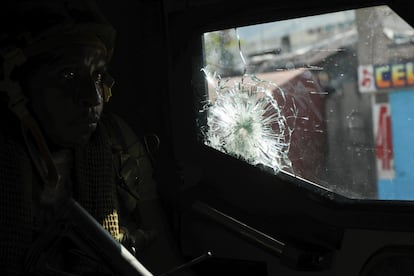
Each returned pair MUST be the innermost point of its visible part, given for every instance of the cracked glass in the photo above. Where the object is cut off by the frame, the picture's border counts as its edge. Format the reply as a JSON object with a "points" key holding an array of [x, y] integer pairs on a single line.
{"points": [[324, 98]]}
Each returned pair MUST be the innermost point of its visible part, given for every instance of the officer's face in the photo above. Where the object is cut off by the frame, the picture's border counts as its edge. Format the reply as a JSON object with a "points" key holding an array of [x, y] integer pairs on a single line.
{"points": [[66, 94]]}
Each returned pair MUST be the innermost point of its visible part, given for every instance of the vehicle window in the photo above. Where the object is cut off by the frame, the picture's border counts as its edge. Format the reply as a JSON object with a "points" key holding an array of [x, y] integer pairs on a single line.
{"points": [[326, 98]]}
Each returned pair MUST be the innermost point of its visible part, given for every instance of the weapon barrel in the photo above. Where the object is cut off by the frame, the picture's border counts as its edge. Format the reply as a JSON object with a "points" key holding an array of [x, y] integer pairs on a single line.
{"points": [[89, 232]]}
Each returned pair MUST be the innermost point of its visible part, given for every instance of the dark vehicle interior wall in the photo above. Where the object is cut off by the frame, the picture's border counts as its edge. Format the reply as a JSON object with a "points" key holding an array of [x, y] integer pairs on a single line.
{"points": [[140, 70], [252, 225]]}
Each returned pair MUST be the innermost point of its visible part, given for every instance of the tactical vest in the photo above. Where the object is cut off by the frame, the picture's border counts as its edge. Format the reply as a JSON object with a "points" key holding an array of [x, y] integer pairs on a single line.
{"points": [[107, 176]]}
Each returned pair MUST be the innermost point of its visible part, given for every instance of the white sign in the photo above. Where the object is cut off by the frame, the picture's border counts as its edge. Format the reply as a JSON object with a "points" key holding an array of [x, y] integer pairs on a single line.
{"points": [[366, 81]]}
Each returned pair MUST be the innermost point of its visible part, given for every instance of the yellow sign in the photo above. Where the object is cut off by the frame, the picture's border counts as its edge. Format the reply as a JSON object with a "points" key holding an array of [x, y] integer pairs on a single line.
{"points": [[385, 77]]}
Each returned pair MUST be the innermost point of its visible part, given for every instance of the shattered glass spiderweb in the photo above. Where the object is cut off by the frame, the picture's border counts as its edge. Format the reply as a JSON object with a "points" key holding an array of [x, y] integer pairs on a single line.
{"points": [[245, 120]]}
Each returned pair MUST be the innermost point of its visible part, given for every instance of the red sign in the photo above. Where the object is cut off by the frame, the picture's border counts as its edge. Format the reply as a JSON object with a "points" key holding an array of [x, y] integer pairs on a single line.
{"points": [[383, 141]]}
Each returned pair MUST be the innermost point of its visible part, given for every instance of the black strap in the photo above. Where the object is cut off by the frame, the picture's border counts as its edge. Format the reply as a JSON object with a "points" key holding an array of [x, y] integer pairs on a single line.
{"points": [[119, 148], [34, 139]]}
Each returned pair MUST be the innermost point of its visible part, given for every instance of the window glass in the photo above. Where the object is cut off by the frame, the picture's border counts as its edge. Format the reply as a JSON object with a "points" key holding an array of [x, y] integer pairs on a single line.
{"points": [[326, 98]]}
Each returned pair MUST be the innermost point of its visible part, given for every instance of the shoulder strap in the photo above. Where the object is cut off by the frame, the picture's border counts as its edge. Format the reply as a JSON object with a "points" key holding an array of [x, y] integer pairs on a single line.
{"points": [[114, 131], [150, 141], [122, 159]]}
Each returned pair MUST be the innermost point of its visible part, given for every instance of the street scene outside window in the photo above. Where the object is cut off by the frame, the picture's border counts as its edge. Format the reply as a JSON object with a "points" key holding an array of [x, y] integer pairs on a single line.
{"points": [[325, 98]]}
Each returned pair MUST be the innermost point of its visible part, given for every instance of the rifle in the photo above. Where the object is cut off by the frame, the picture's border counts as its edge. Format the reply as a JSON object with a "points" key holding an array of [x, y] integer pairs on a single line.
{"points": [[75, 223]]}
